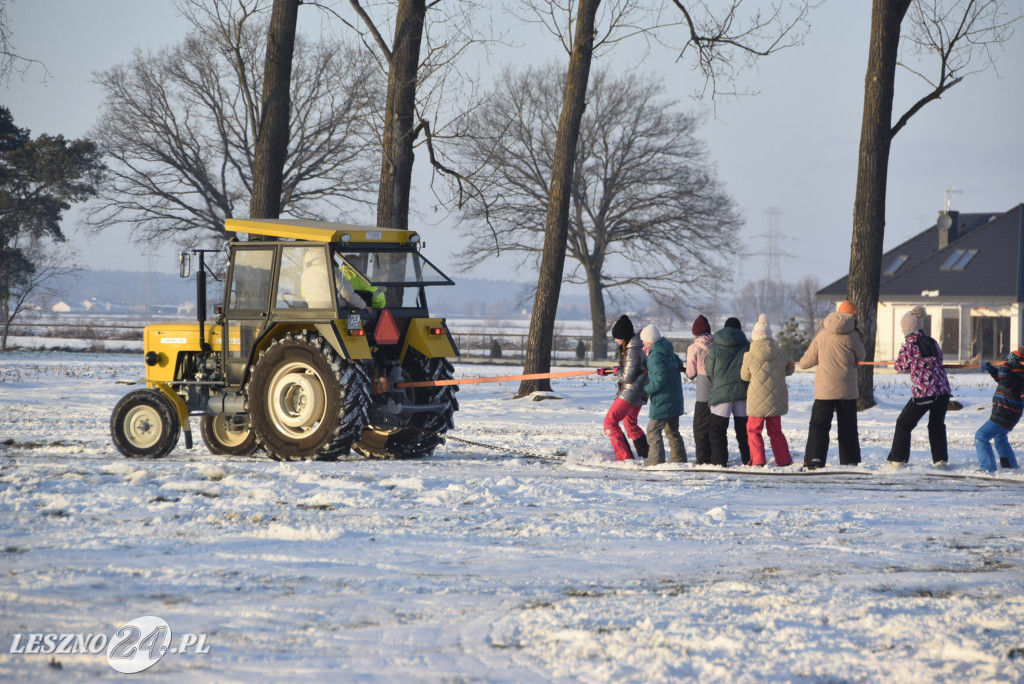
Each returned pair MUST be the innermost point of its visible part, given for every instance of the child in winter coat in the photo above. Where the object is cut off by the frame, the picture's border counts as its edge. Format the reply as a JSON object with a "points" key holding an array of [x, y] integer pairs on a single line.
{"points": [[1007, 404], [696, 354], [835, 350], [921, 356], [728, 392], [632, 379], [665, 387], [765, 367]]}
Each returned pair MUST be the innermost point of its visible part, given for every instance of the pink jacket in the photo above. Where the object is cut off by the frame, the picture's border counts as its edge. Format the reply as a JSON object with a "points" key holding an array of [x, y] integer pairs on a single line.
{"points": [[696, 354]]}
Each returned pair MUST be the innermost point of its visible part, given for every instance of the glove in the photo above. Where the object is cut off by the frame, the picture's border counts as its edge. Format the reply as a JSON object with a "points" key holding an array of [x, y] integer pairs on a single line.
{"points": [[987, 367], [607, 371]]}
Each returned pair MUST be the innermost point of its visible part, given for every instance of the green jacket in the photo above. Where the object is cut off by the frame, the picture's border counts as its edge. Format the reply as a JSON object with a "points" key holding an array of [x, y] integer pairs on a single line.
{"points": [[723, 365], [665, 384], [359, 283]]}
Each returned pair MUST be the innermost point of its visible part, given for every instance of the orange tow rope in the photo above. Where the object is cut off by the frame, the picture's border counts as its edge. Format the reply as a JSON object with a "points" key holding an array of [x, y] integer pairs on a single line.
{"points": [[568, 374], [500, 378], [962, 366]]}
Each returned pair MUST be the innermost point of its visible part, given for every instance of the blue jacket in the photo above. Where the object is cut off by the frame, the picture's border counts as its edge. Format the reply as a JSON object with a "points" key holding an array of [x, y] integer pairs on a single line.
{"points": [[1007, 402], [665, 384]]}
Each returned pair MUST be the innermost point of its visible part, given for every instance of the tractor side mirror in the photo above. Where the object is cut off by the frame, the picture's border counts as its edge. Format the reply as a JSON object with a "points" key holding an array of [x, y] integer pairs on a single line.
{"points": [[184, 264]]}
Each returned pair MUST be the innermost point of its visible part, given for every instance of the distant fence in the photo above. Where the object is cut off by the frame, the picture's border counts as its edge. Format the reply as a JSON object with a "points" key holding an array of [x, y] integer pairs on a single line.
{"points": [[471, 345]]}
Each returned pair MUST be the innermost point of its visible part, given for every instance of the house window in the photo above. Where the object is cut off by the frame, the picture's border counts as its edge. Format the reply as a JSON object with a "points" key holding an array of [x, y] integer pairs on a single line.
{"points": [[957, 259], [990, 338], [951, 333], [895, 264]]}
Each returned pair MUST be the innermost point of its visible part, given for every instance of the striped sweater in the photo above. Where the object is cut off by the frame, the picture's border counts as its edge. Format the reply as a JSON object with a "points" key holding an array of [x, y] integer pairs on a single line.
{"points": [[1007, 403]]}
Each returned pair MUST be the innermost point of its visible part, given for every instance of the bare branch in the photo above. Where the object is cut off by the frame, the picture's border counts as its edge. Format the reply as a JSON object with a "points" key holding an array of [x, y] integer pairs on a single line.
{"points": [[958, 35]]}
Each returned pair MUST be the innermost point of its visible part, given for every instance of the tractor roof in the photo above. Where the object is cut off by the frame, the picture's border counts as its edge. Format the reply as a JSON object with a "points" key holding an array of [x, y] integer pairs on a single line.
{"points": [[318, 231]]}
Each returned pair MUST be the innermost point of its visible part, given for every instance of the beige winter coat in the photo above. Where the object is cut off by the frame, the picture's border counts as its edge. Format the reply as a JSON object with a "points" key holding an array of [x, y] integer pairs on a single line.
{"points": [[765, 367], [835, 350]]}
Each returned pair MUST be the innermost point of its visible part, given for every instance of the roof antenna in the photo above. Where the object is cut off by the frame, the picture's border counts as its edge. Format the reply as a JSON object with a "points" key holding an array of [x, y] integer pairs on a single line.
{"points": [[949, 196]]}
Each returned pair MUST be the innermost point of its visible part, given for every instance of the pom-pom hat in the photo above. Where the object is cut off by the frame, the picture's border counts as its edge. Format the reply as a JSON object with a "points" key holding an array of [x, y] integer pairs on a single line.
{"points": [[762, 331]]}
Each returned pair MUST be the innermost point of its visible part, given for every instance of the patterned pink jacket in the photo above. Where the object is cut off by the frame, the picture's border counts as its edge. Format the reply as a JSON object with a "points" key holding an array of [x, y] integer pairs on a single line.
{"points": [[921, 356]]}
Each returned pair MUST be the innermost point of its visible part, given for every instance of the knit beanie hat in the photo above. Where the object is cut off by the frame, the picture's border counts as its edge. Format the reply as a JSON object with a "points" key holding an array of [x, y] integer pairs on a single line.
{"points": [[701, 326], [913, 320], [650, 334], [623, 328], [733, 322], [762, 331], [1016, 357], [848, 307]]}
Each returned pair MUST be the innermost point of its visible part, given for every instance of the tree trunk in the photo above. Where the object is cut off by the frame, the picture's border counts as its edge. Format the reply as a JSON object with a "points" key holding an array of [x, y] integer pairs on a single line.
{"points": [[872, 172], [598, 317], [272, 137], [400, 117], [556, 229]]}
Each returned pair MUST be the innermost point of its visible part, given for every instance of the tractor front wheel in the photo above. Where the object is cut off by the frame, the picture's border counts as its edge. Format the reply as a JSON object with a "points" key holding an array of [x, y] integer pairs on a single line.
{"points": [[145, 424], [227, 436]]}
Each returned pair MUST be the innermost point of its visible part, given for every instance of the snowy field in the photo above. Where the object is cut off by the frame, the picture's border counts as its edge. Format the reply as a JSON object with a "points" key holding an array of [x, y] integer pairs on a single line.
{"points": [[480, 565]]}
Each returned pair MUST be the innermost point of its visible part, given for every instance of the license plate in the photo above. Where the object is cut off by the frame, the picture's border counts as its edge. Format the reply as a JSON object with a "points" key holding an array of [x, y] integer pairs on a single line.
{"points": [[354, 322]]}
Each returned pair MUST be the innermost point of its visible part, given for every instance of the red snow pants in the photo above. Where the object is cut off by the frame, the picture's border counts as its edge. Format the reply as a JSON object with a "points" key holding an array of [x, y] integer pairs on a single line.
{"points": [[626, 413]]}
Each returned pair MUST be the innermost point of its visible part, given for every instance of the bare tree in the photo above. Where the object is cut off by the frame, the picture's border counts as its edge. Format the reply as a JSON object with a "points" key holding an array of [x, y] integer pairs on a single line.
{"points": [[764, 297], [646, 212], [959, 35], [421, 65], [49, 265], [180, 128], [713, 36], [808, 306], [556, 221], [272, 134]]}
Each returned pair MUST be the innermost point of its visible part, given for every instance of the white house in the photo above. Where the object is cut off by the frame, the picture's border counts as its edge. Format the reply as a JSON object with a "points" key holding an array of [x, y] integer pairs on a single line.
{"points": [[968, 272]]}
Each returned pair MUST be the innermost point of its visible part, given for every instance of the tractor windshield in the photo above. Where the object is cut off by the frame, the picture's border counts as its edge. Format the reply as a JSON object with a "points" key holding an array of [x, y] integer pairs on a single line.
{"points": [[391, 279]]}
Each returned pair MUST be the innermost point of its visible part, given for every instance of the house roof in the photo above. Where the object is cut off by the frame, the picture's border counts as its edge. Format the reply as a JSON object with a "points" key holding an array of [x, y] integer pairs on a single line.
{"points": [[985, 259]]}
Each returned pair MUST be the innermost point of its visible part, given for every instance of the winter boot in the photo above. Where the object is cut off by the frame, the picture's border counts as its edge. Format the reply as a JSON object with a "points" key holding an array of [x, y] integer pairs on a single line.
{"points": [[641, 448]]}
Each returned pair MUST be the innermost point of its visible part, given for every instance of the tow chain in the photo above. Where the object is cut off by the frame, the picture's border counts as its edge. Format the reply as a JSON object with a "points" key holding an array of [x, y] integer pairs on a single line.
{"points": [[524, 454]]}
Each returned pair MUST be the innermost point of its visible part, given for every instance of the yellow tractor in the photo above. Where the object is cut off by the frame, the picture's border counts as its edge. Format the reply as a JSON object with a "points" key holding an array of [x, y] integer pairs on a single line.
{"points": [[320, 321]]}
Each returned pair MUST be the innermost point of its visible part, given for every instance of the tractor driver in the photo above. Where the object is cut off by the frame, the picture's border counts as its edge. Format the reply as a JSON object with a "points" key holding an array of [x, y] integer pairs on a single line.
{"points": [[377, 298], [314, 285]]}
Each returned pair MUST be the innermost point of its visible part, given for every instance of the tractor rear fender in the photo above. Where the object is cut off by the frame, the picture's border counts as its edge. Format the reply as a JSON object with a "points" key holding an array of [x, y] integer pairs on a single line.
{"points": [[336, 333], [430, 337]]}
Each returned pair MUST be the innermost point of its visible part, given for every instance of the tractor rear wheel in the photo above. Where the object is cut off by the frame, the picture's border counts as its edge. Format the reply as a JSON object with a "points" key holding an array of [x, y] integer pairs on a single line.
{"points": [[420, 432], [145, 424], [305, 402], [227, 436]]}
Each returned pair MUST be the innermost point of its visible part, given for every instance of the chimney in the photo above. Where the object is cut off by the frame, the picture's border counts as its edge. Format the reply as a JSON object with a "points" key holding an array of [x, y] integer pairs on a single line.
{"points": [[947, 225]]}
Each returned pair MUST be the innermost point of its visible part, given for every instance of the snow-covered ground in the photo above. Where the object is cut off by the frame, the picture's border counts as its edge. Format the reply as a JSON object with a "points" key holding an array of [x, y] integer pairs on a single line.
{"points": [[479, 565]]}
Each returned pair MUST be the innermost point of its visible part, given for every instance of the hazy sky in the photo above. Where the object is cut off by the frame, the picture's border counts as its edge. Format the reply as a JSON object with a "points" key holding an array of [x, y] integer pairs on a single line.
{"points": [[792, 146]]}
